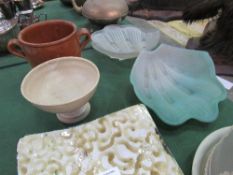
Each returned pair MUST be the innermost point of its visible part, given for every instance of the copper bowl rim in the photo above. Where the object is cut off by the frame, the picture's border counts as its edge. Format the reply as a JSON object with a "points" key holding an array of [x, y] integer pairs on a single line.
{"points": [[21, 33]]}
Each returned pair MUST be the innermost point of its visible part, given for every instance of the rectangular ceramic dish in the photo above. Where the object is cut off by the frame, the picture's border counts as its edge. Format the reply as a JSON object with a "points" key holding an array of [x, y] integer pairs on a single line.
{"points": [[125, 142]]}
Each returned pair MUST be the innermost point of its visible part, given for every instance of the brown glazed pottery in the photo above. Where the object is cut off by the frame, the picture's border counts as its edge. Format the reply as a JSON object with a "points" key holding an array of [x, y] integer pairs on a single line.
{"points": [[50, 39]]}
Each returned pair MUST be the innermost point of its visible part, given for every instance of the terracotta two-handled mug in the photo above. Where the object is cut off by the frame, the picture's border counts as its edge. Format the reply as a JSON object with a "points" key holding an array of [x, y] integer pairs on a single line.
{"points": [[49, 39]]}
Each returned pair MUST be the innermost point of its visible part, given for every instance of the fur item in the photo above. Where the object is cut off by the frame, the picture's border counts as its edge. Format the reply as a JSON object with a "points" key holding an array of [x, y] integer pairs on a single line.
{"points": [[219, 40]]}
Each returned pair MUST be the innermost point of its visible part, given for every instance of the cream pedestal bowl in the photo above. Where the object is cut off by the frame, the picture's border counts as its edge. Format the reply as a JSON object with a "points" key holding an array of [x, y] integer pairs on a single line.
{"points": [[63, 86]]}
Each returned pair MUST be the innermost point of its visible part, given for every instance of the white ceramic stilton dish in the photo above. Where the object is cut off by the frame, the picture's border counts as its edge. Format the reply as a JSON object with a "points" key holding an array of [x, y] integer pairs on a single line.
{"points": [[62, 86], [204, 149]]}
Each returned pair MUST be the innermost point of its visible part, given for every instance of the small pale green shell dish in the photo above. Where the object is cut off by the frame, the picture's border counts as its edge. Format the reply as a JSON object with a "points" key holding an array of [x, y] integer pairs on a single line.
{"points": [[178, 84], [124, 41]]}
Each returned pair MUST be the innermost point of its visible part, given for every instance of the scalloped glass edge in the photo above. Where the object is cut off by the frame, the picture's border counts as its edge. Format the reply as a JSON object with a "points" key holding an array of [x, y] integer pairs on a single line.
{"points": [[122, 56], [208, 60]]}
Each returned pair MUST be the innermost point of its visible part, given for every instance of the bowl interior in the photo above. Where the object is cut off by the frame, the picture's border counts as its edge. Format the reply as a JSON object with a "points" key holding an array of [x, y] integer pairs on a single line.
{"points": [[60, 81], [55, 30], [221, 158]]}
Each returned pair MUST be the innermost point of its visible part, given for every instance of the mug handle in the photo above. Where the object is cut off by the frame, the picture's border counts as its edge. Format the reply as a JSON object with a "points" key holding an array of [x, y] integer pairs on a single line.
{"points": [[83, 32], [12, 44], [76, 7]]}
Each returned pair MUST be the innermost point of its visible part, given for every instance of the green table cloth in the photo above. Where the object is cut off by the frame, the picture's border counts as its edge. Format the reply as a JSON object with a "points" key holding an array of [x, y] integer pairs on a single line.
{"points": [[18, 117]]}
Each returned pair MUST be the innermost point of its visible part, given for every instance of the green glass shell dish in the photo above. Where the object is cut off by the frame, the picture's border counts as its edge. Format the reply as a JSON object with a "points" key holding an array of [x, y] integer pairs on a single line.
{"points": [[178, 84]]}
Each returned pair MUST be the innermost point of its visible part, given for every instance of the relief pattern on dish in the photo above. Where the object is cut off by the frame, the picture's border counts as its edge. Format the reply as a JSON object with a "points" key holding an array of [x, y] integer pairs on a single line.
{"points": [[126, 139]]}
